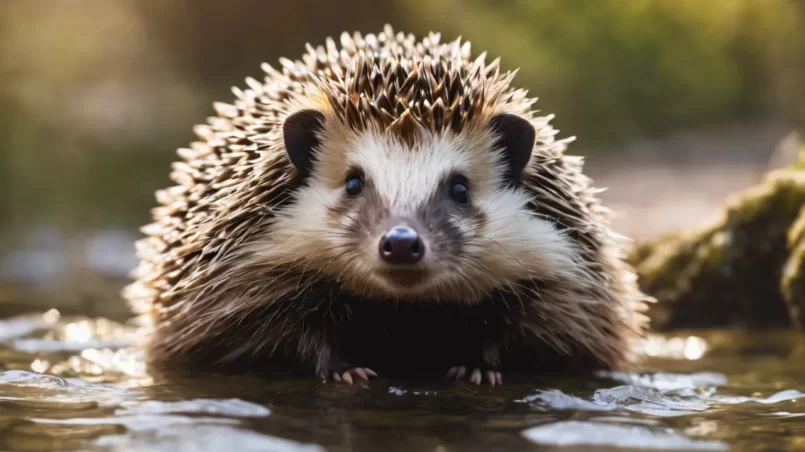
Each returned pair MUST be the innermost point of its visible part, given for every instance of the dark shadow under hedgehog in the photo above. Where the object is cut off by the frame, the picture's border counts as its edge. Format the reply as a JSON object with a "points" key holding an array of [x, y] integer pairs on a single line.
{"points": [[387, 207]]}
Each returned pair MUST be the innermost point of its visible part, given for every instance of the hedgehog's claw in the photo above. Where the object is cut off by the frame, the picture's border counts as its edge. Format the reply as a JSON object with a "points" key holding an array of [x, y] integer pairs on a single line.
{"points": [[340, 371], [456, 372], [354, 374], [477, 375]]}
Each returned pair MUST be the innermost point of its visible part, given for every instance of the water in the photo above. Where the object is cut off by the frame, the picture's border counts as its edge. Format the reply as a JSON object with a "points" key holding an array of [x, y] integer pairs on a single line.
{"points": [[76, 383]]}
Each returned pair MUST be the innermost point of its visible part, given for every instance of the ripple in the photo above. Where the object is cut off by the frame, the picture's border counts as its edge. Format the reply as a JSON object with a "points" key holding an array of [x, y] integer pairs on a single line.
{"points": [[221, 407], [24, 385], [58, 334], [555, 399], [581, 433], [145, 423], [25, 378], [661, 395], [196, 424], [654, 396], [651, 401], [21, 326], [157, 416], [777, 397], [193, 437], [628, 398], [668, 381], [397, 391], [52, 345]]}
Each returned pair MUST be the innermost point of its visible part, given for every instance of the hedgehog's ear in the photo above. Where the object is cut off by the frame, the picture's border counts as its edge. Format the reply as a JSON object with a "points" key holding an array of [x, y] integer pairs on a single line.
{"points": [[516, 137], [299, 131]]}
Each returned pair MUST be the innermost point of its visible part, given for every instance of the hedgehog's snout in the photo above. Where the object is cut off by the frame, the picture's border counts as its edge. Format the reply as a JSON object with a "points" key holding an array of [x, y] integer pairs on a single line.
{"points": [[401, 246]]}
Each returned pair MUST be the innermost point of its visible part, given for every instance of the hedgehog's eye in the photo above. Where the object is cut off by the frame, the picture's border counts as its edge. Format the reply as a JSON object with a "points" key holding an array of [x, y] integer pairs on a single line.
{"points": [[458, 191], [354, 184]]}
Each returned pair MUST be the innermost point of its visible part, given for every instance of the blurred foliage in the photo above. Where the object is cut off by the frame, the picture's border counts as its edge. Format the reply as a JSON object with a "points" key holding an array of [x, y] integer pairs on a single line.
{"points": [[95, 96], [220, 43], [612, 69]]}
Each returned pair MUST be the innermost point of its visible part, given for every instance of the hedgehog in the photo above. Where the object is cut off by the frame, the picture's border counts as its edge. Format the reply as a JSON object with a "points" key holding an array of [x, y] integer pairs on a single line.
{"points": [[389, 207]]}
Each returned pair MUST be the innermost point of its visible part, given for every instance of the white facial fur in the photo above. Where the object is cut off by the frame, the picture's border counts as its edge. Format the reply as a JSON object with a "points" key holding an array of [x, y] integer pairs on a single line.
{"points": [[510, 245]]}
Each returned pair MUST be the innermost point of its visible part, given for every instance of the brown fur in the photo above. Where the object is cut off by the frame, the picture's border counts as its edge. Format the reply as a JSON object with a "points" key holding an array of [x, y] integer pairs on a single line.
{"points": [[232, 273]]}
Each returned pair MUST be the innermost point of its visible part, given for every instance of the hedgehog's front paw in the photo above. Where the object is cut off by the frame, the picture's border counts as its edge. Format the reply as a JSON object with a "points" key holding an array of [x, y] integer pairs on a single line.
{"points": [[476, 375], [341, 371], [353, 374]]}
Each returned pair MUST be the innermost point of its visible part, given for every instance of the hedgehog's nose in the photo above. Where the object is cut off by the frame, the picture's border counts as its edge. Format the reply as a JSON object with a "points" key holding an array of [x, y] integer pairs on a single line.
{"points": [[401, 246]]}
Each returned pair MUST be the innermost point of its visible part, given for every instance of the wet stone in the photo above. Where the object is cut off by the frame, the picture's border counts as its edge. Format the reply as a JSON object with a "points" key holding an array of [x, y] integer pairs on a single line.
{"points": [[745, 269]]}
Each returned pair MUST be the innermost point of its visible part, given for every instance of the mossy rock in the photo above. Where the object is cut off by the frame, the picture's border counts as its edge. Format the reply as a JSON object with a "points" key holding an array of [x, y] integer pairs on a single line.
{"points": [[793, 282], [745, 269]]}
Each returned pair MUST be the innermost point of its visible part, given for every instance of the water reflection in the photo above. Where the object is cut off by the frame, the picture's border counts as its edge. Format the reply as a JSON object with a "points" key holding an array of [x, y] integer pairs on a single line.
{"points": [[574, 433], [71, 383], [690, 347]]}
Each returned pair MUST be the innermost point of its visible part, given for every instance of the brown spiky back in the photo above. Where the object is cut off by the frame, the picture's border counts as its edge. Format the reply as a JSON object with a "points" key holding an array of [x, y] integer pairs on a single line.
{"points": [[402, 86]]}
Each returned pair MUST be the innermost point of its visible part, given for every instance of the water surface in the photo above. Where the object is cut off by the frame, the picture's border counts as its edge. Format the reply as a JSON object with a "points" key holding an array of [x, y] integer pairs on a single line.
{"points": [[77, 384]]}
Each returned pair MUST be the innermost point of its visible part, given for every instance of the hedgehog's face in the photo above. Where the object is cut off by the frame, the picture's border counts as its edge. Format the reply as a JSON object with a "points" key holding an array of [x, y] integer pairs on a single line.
{"points": [[441, 219]]}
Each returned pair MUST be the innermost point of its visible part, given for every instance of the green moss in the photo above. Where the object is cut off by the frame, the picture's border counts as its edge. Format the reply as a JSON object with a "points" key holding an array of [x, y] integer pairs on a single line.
{"points": [[793, 281], [801, 163], [744, 269]]}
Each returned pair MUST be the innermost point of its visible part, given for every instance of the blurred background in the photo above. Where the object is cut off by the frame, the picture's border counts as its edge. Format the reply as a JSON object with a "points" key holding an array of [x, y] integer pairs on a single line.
{"points": [[675, 104]]}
